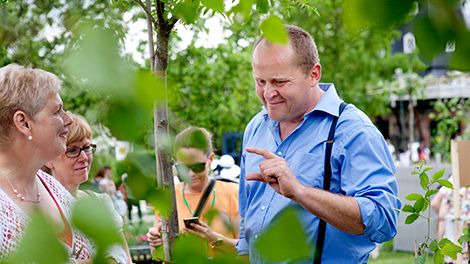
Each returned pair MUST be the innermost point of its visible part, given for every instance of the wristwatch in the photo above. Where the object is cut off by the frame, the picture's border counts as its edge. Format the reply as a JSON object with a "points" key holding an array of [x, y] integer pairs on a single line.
{"points": [[216, 243]]}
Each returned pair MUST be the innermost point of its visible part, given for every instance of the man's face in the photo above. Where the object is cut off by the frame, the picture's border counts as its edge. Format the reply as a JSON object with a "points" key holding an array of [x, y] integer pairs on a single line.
{"points": [[282, 87]]}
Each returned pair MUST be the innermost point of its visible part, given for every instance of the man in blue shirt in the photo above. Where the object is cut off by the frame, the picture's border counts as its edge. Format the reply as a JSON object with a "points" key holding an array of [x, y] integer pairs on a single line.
{"points": [[282, 165]]}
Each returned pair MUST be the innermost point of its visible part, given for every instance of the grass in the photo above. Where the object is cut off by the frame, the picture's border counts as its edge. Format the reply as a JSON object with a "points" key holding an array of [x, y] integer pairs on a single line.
{"points": [[388, 256], [393, 257]]}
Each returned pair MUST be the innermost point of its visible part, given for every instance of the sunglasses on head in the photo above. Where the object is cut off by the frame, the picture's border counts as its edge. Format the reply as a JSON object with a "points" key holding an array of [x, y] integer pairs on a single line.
{"points": [[195, 167]]}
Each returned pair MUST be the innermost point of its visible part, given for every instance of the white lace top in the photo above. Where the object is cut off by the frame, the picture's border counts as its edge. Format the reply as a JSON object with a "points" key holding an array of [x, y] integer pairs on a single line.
{"points": [[14, 220]]}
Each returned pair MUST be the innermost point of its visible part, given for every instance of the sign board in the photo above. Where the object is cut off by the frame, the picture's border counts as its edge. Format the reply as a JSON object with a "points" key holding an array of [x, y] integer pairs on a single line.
{"points": [[463, 157]]}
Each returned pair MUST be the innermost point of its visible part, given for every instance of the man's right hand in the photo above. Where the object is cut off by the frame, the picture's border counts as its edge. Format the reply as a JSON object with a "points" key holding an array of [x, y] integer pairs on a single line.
{"points": [[154, 236]]}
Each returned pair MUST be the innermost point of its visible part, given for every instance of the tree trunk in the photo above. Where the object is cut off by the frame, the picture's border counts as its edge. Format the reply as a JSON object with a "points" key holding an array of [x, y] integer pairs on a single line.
{"points": [[159, 64]]}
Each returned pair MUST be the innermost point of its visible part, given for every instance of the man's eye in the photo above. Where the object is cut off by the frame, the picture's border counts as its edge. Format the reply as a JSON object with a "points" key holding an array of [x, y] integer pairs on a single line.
{"points": [[279, 83], [261, 82]]}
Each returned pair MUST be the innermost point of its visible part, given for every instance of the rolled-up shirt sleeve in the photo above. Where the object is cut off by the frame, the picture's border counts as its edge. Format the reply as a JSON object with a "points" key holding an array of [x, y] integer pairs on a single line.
{"points": [[368, 175]]}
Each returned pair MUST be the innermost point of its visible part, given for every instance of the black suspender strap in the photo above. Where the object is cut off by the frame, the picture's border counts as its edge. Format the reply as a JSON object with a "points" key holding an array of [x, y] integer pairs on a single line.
{"points": [[204, 197], [326, 184]]}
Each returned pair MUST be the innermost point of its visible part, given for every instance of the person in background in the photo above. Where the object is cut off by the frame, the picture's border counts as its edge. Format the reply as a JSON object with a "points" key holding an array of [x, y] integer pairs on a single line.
{"points": [[33, 131], [129, 199], [109, 187], [104, 172], [286, 160], [194, 162], [71, 169]]}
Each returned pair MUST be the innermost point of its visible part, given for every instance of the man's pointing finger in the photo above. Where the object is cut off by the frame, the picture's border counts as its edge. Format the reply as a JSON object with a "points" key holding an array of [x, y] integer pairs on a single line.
{"points": [[265, 153]]}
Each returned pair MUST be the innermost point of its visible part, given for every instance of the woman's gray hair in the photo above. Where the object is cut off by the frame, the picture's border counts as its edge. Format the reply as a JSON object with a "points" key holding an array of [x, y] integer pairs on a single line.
{"points": [[26, 89]]}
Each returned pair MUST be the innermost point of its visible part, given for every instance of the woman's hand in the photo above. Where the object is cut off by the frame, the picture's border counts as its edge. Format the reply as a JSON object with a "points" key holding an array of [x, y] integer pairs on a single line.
{"points": [[154, 236], [203, 230]]}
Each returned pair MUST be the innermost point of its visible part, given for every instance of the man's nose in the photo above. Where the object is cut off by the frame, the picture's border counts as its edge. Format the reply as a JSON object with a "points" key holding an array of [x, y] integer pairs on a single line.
{"points": [[270, 91]]}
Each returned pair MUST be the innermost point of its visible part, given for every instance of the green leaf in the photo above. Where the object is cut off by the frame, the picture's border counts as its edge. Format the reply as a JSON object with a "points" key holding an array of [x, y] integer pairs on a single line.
{"points": [[411, 218], [109, 74], [161, 201], [190, 249], [419, 205], [188, 11], [433, 246], [450, 249], [149, 89], [427, 169], [457, 59], [423, 180], [413, 196], [158, 254], [274, 31], [438, 257], [446, 183], [94, 218], [262, 6], [421, 259], [243, 7], [437, 175], [127, 118], [378, 13], [40, 243], [216, 5], [465, 236], [430, 193], [139, 165], [284, 240], [429, 41], [444, 242], [408, 208]]}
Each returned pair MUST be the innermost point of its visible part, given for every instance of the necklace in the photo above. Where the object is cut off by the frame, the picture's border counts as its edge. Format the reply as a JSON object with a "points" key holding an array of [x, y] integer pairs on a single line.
{"points": [[187, 204], [22, 198]]}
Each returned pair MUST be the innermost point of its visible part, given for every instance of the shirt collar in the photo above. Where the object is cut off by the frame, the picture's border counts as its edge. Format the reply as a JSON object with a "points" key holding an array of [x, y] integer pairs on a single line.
{"points": [[329, 102]]}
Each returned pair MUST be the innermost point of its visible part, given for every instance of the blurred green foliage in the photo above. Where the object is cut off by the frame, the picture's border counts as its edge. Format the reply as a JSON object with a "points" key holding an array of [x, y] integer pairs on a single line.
{"points": [[285, 239], [436, 24], [449, 113], [94, 219]]}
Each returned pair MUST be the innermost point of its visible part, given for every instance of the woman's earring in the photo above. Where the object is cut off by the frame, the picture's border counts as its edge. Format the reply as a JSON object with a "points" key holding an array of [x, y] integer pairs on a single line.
{"points": [[30, 137]]}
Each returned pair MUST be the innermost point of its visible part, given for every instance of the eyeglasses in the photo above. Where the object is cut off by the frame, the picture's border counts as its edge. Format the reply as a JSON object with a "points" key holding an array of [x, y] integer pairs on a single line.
{"points": [[182, 169], [74, 152]]}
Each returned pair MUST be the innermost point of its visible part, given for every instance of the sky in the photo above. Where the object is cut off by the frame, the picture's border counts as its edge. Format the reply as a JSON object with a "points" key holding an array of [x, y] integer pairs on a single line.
{"points": [[138, 32]]}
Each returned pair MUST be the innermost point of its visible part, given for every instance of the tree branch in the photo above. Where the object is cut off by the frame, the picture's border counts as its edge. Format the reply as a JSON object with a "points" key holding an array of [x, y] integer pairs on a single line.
{"points": [[160, 10], [173, 21], [148, 13]]}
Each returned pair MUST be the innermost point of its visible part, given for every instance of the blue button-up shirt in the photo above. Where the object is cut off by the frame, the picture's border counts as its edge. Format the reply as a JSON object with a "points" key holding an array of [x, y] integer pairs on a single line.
{"points": [[361, 164]]}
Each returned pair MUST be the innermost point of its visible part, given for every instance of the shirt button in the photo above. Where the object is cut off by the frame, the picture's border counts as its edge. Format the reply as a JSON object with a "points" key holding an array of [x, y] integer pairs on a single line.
{"points": [[256, 236], [279, 153], [263, 207]]}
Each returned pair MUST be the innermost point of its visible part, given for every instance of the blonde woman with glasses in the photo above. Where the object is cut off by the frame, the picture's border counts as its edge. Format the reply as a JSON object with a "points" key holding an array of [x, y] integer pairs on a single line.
{"points": [[71, 169]]}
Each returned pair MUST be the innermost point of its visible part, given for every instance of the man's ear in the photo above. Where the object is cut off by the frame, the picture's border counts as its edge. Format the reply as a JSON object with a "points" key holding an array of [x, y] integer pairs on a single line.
{"points": [[22, 123], [315, 73]]}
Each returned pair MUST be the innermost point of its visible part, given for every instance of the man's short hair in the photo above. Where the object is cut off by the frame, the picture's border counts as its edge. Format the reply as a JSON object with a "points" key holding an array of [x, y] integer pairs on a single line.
{"points": [[305, 49]]}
